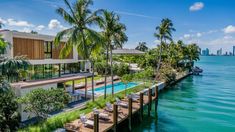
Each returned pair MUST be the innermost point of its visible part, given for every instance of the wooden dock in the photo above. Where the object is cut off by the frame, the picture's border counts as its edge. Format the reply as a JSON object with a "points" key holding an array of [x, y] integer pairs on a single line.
{"points": [[118, 115]]}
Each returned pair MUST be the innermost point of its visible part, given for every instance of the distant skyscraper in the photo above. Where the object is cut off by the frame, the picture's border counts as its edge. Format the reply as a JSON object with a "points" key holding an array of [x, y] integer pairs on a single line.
{"points": [[205, 52], [233, 50], [219, 52]]}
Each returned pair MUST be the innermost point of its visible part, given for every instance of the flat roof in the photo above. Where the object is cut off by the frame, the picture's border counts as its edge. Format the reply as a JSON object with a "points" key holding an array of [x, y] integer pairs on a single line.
{"points": [[44, 37], [29, 84], [127, 51]]}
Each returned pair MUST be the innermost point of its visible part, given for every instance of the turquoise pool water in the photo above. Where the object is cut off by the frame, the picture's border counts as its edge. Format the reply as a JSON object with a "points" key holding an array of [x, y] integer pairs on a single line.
{"points": [[199, 103], [117, 87]]}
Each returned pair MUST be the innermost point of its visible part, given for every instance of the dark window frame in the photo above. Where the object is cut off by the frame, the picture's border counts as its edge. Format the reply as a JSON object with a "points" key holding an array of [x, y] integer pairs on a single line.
{"points": [[48, 49]]}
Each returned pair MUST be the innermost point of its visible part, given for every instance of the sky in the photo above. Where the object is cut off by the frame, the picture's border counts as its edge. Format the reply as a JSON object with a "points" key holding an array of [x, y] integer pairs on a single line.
{"points": [[209, 23]]}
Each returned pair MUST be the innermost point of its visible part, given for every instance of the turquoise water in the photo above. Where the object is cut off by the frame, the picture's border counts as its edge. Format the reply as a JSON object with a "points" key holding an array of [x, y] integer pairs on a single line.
{"points": [[198, 103], [117, 87]]}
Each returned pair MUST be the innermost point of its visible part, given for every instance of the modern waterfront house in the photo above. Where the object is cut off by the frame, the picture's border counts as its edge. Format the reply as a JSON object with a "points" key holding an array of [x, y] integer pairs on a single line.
{"points": [[43, 55], [47, 69]]}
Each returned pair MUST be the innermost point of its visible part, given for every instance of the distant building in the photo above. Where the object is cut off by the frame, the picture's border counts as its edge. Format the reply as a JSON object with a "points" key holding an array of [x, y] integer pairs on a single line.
{"points": [[233, 50], [219, 52], [206, 52]]}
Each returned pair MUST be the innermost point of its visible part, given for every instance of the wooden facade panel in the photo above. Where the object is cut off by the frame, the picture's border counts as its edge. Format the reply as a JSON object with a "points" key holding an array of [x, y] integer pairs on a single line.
{"points": [[56, 52], [31, 48], [34, 49]]}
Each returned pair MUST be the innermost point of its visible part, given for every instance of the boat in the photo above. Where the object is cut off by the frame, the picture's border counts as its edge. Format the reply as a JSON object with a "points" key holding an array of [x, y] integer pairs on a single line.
{"points": [[196, 70]]}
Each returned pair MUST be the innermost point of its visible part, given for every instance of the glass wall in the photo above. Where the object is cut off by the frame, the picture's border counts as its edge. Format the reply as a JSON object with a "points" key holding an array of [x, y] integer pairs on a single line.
{"points": [[48, 71]]}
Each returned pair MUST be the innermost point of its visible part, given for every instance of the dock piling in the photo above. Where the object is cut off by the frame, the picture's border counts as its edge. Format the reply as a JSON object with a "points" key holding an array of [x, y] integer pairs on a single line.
{"points": [[96, 122], [156, 98], [115, 117], [130, 112], [85, 88], [149, 100], [141, 105]]}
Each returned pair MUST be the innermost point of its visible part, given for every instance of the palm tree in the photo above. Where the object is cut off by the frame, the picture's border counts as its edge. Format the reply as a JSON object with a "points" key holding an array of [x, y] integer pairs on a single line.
{"points": [[11, 67], [114, 36], [3, 43], [142, 47], [163, 33], [86, 40]]}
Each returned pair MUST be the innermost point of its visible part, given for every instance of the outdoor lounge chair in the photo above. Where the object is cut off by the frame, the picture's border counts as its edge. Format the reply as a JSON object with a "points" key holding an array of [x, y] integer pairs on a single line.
{"points": [[121, 103], [109, 107], [85, 121], [135, 97], [102, 115]]}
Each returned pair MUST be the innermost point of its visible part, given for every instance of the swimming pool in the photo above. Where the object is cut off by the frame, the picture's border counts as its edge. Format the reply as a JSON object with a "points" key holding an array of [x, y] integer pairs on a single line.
{"points": [[117, 87]]}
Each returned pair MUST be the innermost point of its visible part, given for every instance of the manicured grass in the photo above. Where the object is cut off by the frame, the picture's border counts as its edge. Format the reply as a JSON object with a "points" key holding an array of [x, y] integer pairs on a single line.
{"points": [[59, 120], [83, 80]]}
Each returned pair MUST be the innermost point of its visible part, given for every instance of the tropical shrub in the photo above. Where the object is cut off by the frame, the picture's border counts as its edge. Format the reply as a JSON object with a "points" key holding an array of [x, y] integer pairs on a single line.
{"points": [[9, 117], [100, 68], [121, 69], [167, 73], [41, 102]]}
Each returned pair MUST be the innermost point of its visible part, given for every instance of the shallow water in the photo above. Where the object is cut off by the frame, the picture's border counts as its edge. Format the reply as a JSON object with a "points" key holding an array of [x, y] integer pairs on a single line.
{"points": [[198, 103]]}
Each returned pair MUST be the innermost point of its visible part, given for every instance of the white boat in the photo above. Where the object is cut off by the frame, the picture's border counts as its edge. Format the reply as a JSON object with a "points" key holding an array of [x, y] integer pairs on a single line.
{"points": [[196, 70]]}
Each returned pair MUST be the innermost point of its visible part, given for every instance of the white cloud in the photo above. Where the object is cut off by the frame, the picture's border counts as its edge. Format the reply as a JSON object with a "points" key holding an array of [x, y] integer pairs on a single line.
{"points": [[2, 21], [157, 41], [199, 34], [54, 23], [12, 22], [40, 27], [196, 6], [228, 37], [229, 29], [26, 30], [187, 36]]}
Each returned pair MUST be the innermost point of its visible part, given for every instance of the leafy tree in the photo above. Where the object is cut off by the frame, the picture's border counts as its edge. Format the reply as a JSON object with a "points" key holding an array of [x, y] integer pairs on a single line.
{"points": [[149, 59], [127, 78], [33, 32], [142, 47], [121, 69], [41, 102], [9, 117], [163, 33], [114, 36], [13, 67], [86, 40]]}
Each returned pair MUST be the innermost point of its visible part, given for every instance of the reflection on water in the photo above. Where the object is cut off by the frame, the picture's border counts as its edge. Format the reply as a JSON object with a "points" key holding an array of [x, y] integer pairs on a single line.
{"points": [[198, 103]]}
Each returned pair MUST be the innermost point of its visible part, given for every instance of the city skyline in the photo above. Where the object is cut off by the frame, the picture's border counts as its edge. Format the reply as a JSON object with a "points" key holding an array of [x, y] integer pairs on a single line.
{"points": [[192, 19], [219, 52]]}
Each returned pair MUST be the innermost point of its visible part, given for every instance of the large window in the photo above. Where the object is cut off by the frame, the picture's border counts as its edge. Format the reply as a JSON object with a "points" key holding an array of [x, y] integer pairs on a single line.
{"points": [[47, 50], [48, 71]]}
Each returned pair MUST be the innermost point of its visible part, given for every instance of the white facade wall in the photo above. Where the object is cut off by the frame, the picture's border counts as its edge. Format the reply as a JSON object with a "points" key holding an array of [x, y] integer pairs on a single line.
{"points": [[22, 92]]}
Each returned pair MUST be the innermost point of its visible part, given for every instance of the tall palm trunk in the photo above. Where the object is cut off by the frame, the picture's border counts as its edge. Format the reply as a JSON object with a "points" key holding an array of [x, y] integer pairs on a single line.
{"points": [[106, 73], [111, 67], [92, 80], [159, 60]]}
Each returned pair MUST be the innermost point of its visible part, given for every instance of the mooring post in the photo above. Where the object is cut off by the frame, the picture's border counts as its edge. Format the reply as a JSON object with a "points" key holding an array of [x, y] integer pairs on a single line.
{"points": [[141, 105], [156, 98], [149, 100], [130, 112], [85, 88], [96, 122], [115, 117]]}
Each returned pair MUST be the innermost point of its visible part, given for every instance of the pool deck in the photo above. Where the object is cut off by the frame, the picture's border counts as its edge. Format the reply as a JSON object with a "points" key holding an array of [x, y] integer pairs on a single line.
{"points": [[105, 125], [123, 114]]}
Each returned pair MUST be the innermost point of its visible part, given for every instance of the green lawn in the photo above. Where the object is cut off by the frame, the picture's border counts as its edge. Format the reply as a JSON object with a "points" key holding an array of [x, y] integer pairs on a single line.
{"points": [[98, 77], [59, 120]]}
